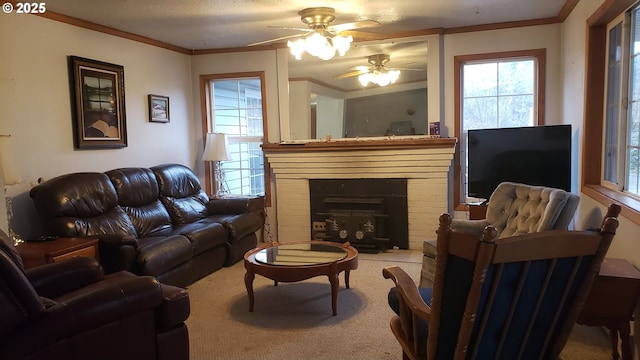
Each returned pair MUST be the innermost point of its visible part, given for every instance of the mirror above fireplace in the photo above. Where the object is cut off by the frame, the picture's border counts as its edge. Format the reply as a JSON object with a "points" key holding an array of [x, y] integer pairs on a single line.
{"points": [[326, 102]]}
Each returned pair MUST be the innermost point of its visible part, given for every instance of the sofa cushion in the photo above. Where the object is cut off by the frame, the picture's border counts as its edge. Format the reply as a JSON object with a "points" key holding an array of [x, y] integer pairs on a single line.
{"points": [[139, 197], [204, 234], [181, 193], [81, 204], [159, 254]]}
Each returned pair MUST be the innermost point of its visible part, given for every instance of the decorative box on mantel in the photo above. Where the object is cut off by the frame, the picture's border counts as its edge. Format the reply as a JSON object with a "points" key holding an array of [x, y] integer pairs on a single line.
{"points": [[424, 161]]}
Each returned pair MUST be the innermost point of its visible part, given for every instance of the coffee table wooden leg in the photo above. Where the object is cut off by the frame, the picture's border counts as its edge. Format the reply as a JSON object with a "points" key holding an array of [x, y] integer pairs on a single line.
{"points": [[335, 284], [346, 278], [248, 282]]}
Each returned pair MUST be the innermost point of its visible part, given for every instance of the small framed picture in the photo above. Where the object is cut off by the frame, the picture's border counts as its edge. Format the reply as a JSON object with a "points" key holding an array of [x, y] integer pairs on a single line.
{"points": [[158, 108]]}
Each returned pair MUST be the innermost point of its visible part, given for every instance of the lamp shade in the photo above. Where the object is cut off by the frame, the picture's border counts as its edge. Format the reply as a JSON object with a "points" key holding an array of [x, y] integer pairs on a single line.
{"points": [[216, 148], [9, 170]]}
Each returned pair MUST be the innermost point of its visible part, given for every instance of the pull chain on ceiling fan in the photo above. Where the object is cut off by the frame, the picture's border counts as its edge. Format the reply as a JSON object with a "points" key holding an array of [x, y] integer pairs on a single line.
{"points": [[322, 39]]}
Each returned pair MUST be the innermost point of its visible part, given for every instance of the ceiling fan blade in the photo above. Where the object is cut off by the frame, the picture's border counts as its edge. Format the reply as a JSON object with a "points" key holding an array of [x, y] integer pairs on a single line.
{"points": [[405, 69], [354, 25], [364, 35], [350, 74], [287, 28], [276, 39]]}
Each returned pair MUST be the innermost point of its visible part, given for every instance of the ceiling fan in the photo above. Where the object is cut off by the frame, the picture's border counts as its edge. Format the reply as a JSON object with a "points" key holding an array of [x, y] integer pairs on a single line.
{"points": [[376, 72], [322, 37]]}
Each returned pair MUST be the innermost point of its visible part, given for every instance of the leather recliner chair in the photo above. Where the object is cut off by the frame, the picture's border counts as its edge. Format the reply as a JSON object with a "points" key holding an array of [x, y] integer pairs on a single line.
{"points": [[71, 310]]}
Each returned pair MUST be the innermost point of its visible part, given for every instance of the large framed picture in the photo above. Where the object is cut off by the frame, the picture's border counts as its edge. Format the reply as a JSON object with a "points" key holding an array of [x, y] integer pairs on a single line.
{"points": [[98, 101], [158, 108]]}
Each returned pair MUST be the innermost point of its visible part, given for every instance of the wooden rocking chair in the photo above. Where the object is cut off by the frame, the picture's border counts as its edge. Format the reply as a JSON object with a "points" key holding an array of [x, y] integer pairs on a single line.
{"points": [[510, 298]]}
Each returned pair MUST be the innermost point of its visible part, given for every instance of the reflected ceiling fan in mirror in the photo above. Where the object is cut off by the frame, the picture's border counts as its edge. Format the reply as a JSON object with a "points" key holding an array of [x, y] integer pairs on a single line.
{"points": [[376, 72], [322, 39]]}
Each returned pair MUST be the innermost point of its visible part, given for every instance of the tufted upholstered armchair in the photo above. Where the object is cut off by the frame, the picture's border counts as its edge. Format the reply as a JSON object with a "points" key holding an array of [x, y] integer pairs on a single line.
{"points": [[513, 209]]}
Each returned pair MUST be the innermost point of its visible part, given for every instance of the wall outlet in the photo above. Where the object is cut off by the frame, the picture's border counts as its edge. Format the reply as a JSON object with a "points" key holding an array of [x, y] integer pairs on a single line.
{"points": [[319, 226]]}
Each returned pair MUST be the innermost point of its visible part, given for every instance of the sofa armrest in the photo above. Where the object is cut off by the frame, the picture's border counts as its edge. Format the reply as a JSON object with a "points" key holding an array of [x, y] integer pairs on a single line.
{"points": [[117, 296], [118, 252], [235, 205], [175, 307], [53, 280], [117, 240]]}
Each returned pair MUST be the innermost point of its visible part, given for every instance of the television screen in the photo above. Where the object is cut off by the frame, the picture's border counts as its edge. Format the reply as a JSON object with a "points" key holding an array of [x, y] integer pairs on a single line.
{"points": [[535, 155]]}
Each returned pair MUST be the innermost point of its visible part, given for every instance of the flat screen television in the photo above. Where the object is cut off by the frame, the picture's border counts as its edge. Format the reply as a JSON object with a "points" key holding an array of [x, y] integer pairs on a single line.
{"points": [[534, 155]]}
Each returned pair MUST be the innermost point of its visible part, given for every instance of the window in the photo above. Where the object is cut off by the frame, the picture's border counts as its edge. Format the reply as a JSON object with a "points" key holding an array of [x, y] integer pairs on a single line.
{"points": [[622, 102], [235, 107], [610, 140], [495, 90]]}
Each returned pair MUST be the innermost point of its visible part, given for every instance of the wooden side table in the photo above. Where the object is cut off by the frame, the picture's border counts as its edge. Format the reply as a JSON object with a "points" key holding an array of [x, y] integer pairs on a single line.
{"points": [[477, 212], [611, 303], [36, 253]]}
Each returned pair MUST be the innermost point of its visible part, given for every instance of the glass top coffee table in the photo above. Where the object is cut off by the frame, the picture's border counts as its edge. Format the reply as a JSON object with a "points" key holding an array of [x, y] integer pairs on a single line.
{"points": [[291, 262]]}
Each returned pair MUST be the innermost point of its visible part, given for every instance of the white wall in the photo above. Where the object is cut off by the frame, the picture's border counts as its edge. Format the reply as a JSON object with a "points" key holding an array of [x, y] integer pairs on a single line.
{"points": [[299, 99], [35, 104], [329, 117]]}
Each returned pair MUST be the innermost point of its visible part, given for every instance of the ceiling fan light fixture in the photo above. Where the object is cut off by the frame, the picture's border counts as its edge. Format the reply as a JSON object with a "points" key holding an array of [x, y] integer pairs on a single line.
{"points": [[318, 45], [381, 78], [342, 43]]}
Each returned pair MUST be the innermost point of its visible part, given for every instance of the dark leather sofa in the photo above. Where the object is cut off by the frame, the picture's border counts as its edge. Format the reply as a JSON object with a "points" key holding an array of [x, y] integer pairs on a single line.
{"points": [[71, 310], [150, 221]]}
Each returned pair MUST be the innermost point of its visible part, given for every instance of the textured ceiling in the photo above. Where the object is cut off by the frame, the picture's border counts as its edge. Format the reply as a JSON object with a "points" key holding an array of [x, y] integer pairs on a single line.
{"points": [[207, 24], [221, 24]]}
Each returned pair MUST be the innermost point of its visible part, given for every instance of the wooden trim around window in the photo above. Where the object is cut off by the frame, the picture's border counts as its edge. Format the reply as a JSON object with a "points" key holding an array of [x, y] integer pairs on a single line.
{"points": [[458, 62], [593, 129], [204, 110]]}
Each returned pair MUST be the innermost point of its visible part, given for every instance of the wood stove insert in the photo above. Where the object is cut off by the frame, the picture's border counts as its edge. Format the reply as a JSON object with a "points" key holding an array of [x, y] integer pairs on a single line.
{"points": [[371, 214]]}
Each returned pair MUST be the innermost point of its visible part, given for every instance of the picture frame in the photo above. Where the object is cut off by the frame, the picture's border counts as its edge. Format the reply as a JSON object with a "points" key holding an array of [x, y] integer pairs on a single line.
{"points": [[159, 108], [97, 99]]}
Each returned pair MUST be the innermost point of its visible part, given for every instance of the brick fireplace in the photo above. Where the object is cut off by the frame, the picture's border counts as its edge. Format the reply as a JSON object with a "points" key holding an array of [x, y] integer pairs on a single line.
{"points": [[423, 162]]}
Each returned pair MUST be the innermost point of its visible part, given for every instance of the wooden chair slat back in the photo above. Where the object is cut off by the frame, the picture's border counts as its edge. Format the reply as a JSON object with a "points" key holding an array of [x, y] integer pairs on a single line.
{"points": [[520, 294]]}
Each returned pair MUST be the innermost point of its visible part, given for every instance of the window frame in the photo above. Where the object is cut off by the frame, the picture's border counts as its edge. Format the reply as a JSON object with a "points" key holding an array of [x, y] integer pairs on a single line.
{"points": [[594, 100], [539, 97], [620, 106], [205, 110]]}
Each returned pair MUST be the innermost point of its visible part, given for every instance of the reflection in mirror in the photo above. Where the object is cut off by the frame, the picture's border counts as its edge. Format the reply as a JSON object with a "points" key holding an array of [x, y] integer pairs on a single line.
{"points": [[327, 99]]}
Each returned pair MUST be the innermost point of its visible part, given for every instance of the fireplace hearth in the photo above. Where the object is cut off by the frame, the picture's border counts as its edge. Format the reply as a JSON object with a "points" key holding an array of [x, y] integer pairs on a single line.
{"points": [[371, 214]]}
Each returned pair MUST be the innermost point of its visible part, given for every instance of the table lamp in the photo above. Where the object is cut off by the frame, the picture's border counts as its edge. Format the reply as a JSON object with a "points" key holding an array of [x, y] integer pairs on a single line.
{"points": [[216, 150]]}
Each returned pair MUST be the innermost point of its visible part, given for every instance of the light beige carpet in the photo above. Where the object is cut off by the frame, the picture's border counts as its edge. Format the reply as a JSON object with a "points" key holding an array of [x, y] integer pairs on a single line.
{"points": [[294, 321]]}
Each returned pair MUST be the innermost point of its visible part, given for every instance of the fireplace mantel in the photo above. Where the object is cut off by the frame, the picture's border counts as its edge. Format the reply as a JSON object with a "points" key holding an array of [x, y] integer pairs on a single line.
{"points": [[385, 143], [424, 162]]}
